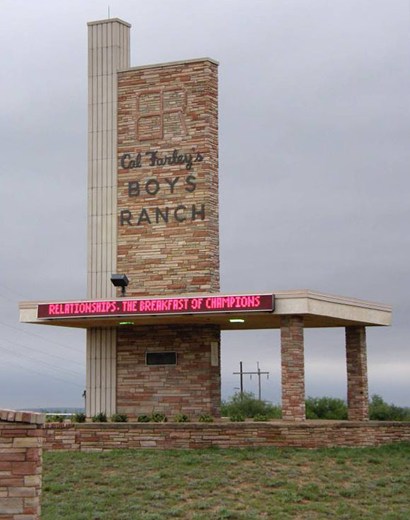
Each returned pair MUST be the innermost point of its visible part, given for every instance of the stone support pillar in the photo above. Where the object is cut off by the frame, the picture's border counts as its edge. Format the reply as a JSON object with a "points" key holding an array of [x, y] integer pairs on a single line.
{"points": [[21, 445], [357, 385], [293, 368]]}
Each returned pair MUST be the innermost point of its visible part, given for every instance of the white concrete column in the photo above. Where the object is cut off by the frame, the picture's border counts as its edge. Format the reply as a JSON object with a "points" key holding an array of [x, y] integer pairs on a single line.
{"points": [[108, 52], [101, 371]]}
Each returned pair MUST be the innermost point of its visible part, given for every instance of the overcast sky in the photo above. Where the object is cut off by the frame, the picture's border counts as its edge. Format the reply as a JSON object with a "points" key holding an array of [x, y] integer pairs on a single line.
{"points": [[314, 118]]}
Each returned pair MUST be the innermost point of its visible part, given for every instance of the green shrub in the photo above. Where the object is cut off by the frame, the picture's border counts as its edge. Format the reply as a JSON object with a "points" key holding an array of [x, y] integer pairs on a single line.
{"points": [[316, 408], [326, 408], [79, 417], [55, 418], [237, 417], [119, 417], [205, 418], [99, 417], [181, 418], [144, 418], [261, 417], [332, 408], [379, 410], [248, 406], [158, 417]]}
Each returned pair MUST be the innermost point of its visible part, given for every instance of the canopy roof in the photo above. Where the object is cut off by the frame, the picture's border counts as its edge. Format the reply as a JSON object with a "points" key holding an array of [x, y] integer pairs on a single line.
{"points": [[318, 310]]}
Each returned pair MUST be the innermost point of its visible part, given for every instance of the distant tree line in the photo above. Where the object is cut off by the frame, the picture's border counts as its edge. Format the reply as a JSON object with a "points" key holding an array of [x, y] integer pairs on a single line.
{"points": [[247, 406]]}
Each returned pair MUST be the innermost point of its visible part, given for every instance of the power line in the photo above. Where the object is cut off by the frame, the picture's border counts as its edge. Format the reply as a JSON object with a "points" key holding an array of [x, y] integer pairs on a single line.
{"points": [[54, 367], [39, 336], [258, 372], [7, 299], [45, 373], [19, 295], [13, 291], [37, 350]]}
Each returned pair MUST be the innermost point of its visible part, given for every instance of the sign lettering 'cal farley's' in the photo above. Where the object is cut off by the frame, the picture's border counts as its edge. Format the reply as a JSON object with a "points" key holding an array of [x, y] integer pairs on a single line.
{"points": [[153, 306], [168, 231]]}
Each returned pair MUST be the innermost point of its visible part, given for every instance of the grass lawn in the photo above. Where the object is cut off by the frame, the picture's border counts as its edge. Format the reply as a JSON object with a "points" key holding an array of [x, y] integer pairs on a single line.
{"points": [[347, 483]]}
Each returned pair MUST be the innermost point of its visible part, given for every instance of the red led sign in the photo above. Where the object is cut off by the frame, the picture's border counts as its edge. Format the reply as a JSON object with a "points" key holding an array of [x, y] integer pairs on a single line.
{"points": [[151, 306]]}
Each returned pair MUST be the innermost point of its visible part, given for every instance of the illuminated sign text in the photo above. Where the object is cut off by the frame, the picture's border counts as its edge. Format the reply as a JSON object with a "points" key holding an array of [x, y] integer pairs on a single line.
{"points": [[147, 306]]}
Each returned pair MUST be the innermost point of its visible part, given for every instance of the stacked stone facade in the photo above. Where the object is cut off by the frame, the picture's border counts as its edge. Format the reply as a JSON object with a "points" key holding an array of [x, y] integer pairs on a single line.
{"points": [[190, 387], [307, 434], [293, 368], [357, 383], [21, 441], [168, 231], [168, 234]]}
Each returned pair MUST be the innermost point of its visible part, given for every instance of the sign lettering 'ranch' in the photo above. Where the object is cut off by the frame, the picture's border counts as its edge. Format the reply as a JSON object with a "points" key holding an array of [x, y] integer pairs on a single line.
{"points": [[185, 182], [208, 304]]}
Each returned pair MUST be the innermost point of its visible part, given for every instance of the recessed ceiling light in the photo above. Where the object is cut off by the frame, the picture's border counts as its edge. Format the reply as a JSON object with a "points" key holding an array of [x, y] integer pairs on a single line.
{"points": [[237, 320]]}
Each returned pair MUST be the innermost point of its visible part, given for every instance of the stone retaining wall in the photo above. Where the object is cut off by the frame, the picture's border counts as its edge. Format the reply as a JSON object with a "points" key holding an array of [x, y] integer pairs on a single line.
{"points": [[310, 434], [21, 438]]}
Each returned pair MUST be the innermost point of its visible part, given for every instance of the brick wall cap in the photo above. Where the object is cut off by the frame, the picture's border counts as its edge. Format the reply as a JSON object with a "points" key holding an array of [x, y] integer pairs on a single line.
{"points": [[20, 416], [227, 425], [169, 64]]}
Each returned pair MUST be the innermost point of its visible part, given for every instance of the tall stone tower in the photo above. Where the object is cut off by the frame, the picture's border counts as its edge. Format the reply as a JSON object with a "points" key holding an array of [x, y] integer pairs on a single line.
{"points": [[152, 215]]}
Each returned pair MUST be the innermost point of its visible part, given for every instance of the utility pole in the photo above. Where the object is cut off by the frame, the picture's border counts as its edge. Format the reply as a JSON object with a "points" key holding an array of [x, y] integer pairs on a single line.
{"points": [[258, 372], [241, 378]]}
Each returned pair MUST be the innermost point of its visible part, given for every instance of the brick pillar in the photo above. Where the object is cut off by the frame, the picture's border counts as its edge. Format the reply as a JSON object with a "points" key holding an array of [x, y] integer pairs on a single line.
{"points": [[357, 386], [293, 368], [21, 441]]}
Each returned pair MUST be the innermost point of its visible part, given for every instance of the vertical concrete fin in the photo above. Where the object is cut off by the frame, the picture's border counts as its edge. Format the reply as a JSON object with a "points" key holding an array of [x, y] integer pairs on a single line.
{"points": [[101, 371], [108, 52]]}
